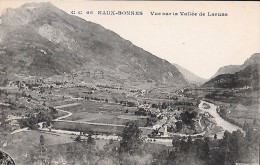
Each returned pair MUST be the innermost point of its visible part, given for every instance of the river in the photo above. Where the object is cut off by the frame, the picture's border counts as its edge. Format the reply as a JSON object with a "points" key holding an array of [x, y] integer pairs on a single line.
{"points": [[212, 110], [219, 120]]}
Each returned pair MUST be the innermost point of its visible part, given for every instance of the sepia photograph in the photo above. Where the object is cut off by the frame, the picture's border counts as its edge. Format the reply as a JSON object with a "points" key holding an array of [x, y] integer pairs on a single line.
{"points": [[129, 82]]}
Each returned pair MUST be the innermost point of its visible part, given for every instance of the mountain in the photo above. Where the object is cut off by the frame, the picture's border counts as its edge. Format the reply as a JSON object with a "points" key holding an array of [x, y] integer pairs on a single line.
{"points": [[38, 39], [189, 76], [231, 69], [254, 59], [247, 76]]}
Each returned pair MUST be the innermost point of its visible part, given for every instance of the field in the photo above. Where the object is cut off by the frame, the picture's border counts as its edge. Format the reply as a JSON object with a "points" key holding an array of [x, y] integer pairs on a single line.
{"points": [[238, 106], [100, 93], [95, 127], [242, 114], [19, 144], [102, 112]]}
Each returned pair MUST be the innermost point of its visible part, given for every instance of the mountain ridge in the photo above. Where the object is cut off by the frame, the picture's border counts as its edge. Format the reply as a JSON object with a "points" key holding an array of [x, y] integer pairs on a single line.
{"points": [[189, 76], [227, 69], [56, 43], [231, 69], [247, 77]]}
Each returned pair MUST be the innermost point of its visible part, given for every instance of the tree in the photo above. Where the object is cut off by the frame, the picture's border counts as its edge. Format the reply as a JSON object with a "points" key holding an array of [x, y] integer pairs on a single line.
{"points": [[206, 149], [91, 141], [131, 138], [186, 146], [236, 140], [183, 145], [164, 105], [78, 138], [39, 154], [189, 143], [255, 121], [75, 152], [176, 142], [178, 126], [223, 112], [215, 137], [30, 122], [4, 123], [225, 145], [154, 106], [194, 114], [149, 122], [109, 146], [187, 117], [42, 146], [250, 148], [42, 140], [130, 104]]}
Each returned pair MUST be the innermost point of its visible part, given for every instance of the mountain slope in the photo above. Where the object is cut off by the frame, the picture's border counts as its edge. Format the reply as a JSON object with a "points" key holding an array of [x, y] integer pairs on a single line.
{"points": [[254, 59], [248, 76], [189, 76], [41, 40], [229, 69]]}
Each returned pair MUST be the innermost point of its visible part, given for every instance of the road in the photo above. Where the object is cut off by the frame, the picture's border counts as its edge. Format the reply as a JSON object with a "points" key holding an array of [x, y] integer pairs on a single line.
{"points": [[68, 113], [167, 142], [106, 137], [212, 111]]}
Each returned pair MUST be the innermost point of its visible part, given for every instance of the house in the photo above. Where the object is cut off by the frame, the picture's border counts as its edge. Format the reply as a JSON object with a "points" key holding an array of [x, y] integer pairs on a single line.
{"points": [[157, 126], [163, 131]]}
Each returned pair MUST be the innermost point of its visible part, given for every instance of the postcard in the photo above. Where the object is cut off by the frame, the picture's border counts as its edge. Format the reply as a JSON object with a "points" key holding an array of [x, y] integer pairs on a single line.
{"points": [[129, 82]]}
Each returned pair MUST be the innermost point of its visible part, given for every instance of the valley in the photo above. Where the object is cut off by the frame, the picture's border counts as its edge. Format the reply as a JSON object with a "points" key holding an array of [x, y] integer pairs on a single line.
{"points": [[103, 111]]}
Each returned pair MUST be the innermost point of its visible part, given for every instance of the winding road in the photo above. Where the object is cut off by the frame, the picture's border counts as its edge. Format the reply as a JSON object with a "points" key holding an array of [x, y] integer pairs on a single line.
{"points": [[68, 113], [212, 111]]}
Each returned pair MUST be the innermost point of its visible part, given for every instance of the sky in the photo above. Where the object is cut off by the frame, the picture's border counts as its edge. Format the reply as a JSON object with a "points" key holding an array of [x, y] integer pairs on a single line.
{"points": [[201, 44]]}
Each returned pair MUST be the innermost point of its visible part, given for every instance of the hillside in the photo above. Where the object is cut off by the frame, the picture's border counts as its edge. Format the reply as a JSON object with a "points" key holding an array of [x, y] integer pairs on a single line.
{"points": [[41, 40], [254, 59], [189, 76], [247, 77], [231, 69]]}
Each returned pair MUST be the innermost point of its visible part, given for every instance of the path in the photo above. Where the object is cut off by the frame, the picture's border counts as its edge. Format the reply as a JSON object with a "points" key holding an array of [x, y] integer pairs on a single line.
{"points": [[68, 113], [212, 110]]}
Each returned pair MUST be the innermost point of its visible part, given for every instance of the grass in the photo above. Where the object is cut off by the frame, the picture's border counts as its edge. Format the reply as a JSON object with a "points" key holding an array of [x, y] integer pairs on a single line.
{"points": [[19, 144], [101, 112], [241, 113], [22, 143], [94, 107], [86, 116], [245, 111], [108, 129], [121, 121]]}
